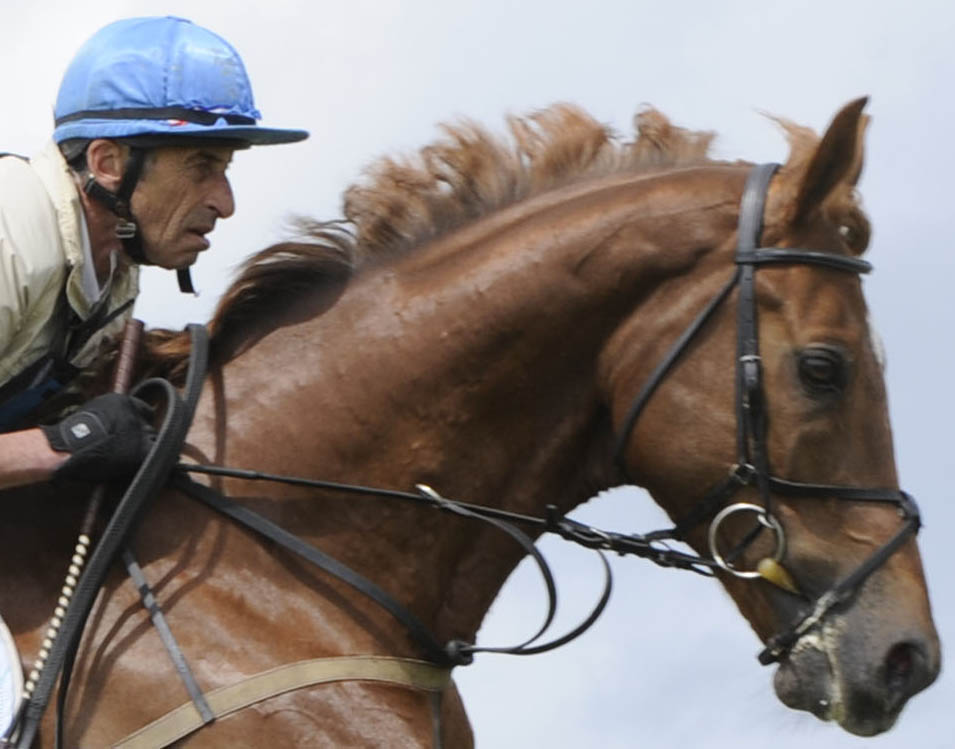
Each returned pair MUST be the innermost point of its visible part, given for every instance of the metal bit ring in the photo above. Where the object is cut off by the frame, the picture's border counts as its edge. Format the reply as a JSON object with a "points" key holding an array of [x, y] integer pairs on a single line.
{"points": [[764, 517]]}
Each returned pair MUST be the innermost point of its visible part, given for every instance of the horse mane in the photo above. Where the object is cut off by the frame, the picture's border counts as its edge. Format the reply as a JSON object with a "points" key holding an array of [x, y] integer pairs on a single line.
{"points": [[470, 173], [402, 203]]}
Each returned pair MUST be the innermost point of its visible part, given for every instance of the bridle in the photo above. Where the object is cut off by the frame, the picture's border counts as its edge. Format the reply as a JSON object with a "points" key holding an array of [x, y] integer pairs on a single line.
{"points": [[752, 465]]}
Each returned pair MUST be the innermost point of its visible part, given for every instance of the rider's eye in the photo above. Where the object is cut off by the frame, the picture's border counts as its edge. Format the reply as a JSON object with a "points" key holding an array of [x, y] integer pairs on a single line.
{"points": [[822, 370]]}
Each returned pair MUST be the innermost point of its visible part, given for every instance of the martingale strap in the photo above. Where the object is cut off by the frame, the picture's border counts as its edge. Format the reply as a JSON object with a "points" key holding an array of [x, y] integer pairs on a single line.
{"points": [[169, 641]]}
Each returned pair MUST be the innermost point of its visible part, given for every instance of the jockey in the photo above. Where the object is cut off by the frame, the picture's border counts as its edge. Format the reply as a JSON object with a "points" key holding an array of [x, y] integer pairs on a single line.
{"points": [[147, 119]]}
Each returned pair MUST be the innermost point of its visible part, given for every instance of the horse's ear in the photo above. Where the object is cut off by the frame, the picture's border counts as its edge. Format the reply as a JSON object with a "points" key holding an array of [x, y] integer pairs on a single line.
{"points": [[837, 159], [852, 178]]}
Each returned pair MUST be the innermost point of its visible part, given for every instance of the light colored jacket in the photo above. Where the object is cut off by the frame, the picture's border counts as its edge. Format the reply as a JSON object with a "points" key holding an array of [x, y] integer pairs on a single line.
{"points": [[41, 253]]}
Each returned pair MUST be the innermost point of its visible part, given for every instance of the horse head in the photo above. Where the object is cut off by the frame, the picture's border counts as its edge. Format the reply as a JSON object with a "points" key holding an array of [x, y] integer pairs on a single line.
{"points": [[822, 420]]}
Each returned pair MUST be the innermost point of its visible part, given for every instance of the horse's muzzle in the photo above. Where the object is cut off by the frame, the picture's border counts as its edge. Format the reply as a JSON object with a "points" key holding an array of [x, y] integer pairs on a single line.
{"points": [[825, 676]]}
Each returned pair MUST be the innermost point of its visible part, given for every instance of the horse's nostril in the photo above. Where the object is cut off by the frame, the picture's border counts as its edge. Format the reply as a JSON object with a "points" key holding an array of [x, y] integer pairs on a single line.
{"points": [[907, 671], [899, 664]]}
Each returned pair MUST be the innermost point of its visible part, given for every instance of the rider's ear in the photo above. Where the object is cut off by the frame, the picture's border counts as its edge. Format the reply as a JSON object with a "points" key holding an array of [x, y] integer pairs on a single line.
{"points": [[837, 159], [106, 160]]}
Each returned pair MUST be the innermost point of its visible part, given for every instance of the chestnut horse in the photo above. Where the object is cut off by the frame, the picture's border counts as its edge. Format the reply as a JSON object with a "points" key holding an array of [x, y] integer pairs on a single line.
{"points": [[483, 325]]}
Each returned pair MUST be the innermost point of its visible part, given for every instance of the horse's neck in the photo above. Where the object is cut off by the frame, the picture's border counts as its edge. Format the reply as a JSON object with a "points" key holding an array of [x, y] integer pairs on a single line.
{"points": [[470, 366]]}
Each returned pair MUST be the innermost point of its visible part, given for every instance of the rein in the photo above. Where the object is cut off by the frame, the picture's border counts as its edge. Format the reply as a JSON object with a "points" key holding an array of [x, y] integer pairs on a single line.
{"points": [[455, 652], [644, 546]]}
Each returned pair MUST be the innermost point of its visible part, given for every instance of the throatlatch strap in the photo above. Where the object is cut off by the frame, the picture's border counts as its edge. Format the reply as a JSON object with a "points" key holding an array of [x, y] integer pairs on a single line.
{"points": [[661, 371]]}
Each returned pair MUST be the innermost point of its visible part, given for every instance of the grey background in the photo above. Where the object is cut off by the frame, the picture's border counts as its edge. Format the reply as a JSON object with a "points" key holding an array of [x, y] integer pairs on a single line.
{"points": [[671, 662]]}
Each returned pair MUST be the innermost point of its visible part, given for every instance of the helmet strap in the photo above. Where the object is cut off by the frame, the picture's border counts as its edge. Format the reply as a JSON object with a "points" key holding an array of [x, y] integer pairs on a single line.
{"points": [[127, 230], [185, 281]]}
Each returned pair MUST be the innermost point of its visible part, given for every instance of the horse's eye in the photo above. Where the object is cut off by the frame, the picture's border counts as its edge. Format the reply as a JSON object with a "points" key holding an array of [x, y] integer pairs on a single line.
{"points": [[822, 370]]}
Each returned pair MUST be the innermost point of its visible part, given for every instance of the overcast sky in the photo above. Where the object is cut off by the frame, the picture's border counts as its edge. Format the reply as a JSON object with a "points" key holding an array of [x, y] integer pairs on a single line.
{"points": [[671, 662]]}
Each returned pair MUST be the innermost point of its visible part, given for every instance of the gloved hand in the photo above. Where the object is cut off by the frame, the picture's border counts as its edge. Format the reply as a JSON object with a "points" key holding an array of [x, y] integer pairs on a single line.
{"points": [[107, 438]]}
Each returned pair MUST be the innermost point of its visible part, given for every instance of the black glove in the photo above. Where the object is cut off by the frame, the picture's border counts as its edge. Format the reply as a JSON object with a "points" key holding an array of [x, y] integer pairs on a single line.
{"points": [[108, 438]]}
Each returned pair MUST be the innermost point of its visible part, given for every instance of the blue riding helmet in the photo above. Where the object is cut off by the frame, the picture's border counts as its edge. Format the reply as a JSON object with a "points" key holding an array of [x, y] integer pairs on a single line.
{"points": [[164, 77]]}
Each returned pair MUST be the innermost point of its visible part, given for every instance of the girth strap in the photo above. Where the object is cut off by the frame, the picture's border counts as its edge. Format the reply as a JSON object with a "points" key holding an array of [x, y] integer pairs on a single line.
{"points": [[185, 719]]}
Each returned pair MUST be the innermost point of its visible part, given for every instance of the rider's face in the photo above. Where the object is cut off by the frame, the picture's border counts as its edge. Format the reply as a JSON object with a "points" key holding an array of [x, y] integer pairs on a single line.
{"points": [[181, 194]]}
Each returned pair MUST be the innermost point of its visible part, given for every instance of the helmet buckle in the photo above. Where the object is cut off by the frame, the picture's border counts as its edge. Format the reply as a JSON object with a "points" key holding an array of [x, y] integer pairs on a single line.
{"points": [[125, 229]]}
